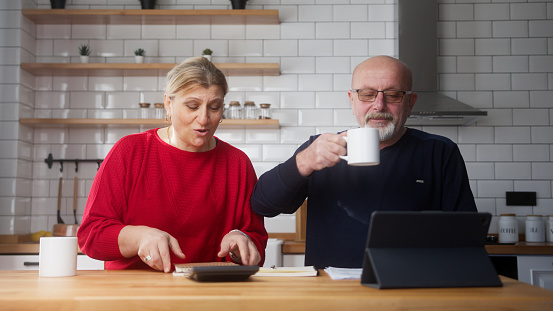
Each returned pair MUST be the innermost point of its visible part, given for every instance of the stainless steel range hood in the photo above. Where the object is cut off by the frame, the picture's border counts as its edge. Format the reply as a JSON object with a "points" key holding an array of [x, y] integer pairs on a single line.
{"points": [[417, 20]]}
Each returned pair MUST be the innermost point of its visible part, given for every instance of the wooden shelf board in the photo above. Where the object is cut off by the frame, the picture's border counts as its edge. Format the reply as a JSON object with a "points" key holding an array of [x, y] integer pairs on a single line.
{"points": [[152, 17], [226, 124], [131, 69]]}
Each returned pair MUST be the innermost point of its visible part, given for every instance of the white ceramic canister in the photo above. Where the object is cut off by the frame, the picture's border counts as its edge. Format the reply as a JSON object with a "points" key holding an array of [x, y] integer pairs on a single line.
{"points": [[508, 228], [549, 228], [535, 228]]}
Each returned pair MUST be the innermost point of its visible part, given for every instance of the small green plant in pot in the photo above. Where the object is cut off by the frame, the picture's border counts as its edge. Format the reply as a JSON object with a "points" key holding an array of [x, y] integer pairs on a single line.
{"points": [[84, 52], [139, 55], [207, 53]]}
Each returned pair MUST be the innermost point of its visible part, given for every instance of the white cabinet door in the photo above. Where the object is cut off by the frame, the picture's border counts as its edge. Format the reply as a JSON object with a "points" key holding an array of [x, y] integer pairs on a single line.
{"points": [[536, 270], [19, 262], [86, 263], [30, 262]]}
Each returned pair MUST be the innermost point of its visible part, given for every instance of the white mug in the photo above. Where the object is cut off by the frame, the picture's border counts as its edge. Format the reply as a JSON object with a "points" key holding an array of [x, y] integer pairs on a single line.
{"points": [[57, 256], [363, 147]]}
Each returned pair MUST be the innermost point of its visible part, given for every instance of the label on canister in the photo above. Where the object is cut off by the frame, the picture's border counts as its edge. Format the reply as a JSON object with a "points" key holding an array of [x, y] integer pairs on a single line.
{"points": [[535, 229]]}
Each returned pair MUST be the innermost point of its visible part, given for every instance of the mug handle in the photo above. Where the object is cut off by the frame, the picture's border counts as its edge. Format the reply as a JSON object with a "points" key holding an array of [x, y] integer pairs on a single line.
{"points": [[345, 157]]}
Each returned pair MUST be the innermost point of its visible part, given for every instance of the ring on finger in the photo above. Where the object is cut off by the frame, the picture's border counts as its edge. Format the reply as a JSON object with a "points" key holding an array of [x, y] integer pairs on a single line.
{"points": [[147, 258]]}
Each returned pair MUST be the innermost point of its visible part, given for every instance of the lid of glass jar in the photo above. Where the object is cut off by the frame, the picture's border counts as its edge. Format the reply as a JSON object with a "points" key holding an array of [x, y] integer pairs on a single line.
{"points": [[507, 214], [158, 105], [234, 103], [249, 103], [144, 105], [264, 105]]}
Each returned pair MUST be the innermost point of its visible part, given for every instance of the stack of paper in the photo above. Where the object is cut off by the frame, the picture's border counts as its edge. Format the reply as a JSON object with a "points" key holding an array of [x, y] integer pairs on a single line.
{"points": [[287, 271], [343, 273], [184, 269]]}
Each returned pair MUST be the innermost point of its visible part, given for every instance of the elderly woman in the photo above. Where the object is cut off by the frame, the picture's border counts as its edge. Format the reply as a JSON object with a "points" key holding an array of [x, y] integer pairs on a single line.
{"points": [[176, 194]]}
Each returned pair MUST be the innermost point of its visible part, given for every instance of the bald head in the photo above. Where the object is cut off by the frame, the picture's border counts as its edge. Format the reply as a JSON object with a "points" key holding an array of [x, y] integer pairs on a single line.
{"points": [[384, 66]]}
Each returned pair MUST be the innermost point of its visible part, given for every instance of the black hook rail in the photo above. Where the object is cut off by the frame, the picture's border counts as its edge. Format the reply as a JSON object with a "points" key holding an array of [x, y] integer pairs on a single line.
{"points": [[50, 161]]}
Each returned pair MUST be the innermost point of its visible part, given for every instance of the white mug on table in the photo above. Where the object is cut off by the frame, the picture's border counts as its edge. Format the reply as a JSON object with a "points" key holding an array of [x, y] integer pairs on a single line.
{"points": [[57, 256], [363, 147]]}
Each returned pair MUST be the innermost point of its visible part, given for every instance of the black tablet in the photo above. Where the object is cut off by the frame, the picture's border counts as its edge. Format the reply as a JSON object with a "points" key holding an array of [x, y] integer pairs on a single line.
{"points": [[222, 273], [428, 249]]}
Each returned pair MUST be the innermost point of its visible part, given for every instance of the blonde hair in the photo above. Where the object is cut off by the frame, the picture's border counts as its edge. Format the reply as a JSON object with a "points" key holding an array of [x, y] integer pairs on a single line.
{"points": [[194, 72]]}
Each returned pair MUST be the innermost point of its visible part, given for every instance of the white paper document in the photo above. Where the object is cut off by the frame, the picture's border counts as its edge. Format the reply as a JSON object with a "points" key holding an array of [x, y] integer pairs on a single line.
{"points": [[287, 271], [343, 273]]}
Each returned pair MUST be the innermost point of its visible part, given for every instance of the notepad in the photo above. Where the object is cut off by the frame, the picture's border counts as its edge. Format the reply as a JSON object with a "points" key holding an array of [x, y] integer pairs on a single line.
{"points": [[287, 271], [184, 269]]}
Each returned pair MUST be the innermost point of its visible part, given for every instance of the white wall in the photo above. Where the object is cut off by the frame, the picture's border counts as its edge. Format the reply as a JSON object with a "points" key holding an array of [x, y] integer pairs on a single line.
{"points": [[494, 55]]}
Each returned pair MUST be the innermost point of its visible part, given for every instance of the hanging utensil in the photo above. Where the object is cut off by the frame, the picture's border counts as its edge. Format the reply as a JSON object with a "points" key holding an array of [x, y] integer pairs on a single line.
{"points": [[61, 229], [60, 221], [75, 200]]}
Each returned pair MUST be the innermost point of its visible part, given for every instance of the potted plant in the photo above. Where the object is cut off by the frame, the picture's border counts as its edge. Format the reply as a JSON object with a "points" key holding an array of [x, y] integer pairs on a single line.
{"points": [[148, 4], [238, 4], [139, 55], [57, 4], [207, 53], [84, 52]]}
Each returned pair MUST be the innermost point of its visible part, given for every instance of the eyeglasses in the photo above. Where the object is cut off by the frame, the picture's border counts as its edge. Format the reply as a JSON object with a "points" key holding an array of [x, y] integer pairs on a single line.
{"points": [[390, 96]]}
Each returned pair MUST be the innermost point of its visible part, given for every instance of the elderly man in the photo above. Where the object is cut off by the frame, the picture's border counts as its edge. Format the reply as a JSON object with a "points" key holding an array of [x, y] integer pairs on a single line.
{"points": [[417, 171]]}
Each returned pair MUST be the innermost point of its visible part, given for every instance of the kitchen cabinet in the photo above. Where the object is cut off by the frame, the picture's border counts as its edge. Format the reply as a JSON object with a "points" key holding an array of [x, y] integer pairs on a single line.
{"points": [[30, 262], [536, 270]]}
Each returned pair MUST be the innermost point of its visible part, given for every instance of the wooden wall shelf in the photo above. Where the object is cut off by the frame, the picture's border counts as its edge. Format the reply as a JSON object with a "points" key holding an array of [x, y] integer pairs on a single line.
{"points": [[152, 17], [131, 69], [226, 124]]}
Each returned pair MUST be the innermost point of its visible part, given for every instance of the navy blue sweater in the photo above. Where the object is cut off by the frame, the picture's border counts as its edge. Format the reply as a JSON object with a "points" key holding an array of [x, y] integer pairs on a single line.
{"points": [[421, 171]]}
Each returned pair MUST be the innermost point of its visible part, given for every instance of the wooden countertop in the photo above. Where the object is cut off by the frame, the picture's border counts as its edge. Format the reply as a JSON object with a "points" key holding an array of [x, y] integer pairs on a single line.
{"points": [[520, 248], [149, 290], [298, 247]]}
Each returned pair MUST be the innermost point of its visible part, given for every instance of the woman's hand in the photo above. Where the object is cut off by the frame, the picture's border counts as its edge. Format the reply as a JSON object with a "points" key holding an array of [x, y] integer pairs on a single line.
{"points": [[239, 244], [153, 246]]}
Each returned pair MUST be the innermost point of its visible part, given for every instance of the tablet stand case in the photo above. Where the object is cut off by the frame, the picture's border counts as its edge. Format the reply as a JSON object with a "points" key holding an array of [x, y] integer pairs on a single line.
{"points": [[427, 250]]}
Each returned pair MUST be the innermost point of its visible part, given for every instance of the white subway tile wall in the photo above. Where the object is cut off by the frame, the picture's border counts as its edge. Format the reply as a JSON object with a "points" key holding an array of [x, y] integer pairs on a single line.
{"points": [[496, 56]]}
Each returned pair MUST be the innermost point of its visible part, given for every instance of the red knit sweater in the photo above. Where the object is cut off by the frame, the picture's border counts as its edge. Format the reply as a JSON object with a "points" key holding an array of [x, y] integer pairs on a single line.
{"points": [[197, 197]]}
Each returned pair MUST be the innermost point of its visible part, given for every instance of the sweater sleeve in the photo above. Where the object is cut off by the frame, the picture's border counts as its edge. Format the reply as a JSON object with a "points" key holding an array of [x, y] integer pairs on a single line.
{"points": [[252, 224], [281, 189], [104, 211]]}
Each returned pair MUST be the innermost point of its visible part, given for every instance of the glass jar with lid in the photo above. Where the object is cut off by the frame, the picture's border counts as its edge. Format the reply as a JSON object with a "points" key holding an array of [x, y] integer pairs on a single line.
{"points": [[160, 111], [144, 111], [234, 110], [264, 111], [250, 110]]}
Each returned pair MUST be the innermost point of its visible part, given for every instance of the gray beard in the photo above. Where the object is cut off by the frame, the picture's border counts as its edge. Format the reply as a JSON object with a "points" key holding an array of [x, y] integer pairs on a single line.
{"points": [[384, 133]]}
